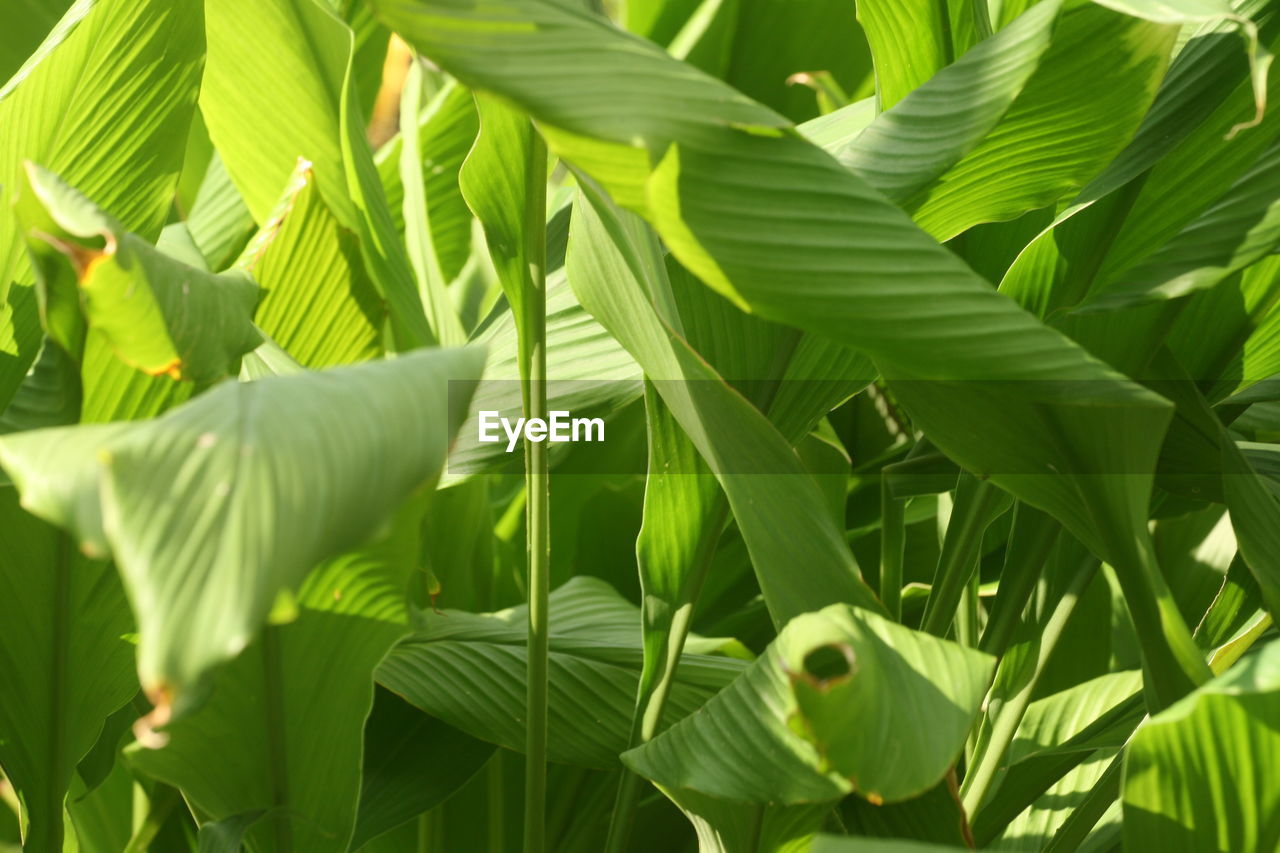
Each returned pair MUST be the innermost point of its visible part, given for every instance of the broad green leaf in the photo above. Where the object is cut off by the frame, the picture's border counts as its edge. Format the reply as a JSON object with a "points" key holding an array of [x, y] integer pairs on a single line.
{"points": [[1226, 338], [842, 701], [1226, 731], [1049, 723], [277, 86], [911, 40], [1181, 146], [105, 102], [419, 238], [65, 662], [469, 670], [157, 314], [219, 222], [318, 302], [50, 395], [773, 40], [701, 161], [493, 181], [724, 827], [928, 129], [935, 816], [412, 763], [446, 131], [610, 263], [281, 735], [28, 28], [1239, 228], [1084, 102], [213, 509]]}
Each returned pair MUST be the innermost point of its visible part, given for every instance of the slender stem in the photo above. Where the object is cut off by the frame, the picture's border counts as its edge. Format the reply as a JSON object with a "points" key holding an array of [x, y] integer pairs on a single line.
{"points": [[967, 612], [1010, 713], [496, 788], [273, 680], [47, 833], [1030, 541], [537, 509], [892, 545], [976, 504]]}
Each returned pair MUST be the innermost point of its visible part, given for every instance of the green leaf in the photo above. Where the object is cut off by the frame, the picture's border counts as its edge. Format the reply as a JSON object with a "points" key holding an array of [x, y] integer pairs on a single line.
{"points": [[412, 763], [281, 735], [842, 701], [65, 662], [1226, 731], [469, 671], [105, 102], [446, 130], [842, 844], [1239, 228], [1083, 103], [219, 221], [611, 262], [29, 27], [1049, 724], [493, 181], [277, 86], [203, 565], [157, 314], [318, 302], [419, 237], [911, 40], [932, 125], [701, 162]]}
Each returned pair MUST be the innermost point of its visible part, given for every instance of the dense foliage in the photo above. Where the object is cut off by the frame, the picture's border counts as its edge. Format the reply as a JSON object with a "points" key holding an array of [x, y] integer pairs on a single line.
{"points": [[936, 345]]}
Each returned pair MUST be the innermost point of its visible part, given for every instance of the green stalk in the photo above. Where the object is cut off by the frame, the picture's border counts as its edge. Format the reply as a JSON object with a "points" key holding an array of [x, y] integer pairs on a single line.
{"points": [[892, 543], [273, 678], [496, 791], [1030, 540], [537, 509], [977, 504], [1010, 713]]}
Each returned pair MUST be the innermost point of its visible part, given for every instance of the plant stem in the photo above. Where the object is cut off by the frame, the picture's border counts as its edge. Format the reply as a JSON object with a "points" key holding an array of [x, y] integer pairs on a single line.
{"points": [[1030, 540], [892, 544], [496, 787], [977, 504], [537, 509], [273, 680], [1010, 713]]}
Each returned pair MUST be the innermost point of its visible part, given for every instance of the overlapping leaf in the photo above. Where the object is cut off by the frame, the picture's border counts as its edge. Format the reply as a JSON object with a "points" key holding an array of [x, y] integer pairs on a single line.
{"points": [[157, 314], [262, 119], [318, 302], [842, 701], [1227, 731], [281, 737], [105, 102], [213, 509], [469, 670]]}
